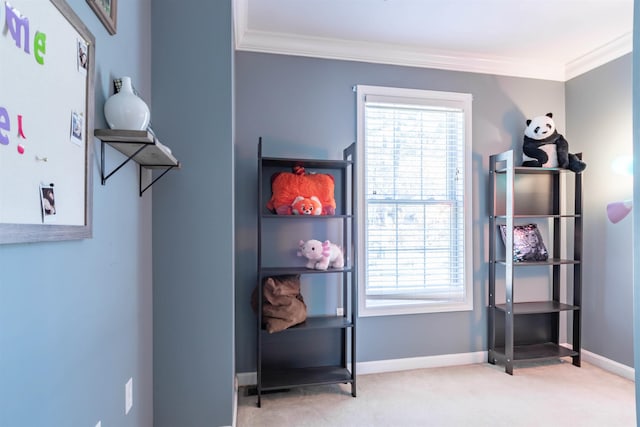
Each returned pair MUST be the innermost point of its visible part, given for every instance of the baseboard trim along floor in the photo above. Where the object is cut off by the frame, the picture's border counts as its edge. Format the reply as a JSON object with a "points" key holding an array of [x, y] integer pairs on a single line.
{"points": [[609, 365], [458, 359]]}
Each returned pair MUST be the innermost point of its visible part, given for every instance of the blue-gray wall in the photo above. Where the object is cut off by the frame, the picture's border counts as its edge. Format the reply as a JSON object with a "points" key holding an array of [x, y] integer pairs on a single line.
{"points": [[599, 122], [69, 344], [76, 317], [306, 107], [312, 113], [193, 243]]}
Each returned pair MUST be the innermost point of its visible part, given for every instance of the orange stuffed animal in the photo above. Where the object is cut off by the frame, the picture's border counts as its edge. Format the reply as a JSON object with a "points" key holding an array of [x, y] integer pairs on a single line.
{"points": [[287, 186], [306, 206]]}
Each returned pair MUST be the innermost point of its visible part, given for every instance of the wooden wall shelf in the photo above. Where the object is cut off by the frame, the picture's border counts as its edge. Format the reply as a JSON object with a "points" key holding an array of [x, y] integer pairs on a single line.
{"points": [[142, 147]]}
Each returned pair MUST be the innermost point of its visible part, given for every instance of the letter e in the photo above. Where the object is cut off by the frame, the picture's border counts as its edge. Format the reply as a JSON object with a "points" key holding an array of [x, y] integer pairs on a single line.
{"points": [[39, 46], [4, 125]]}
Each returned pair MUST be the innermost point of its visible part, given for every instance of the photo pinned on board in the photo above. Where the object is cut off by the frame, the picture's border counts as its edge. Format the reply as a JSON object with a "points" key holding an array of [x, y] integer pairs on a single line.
{"points": [[83, 56], [77, 124], [47, 202]]}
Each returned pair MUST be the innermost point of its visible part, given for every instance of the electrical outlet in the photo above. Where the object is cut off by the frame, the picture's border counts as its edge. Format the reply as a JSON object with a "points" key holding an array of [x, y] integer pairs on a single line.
{"points": [[128, 396], [339, 311]]}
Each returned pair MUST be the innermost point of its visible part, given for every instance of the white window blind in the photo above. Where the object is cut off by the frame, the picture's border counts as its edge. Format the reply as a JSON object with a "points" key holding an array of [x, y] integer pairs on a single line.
{"points": [[415, 174]]}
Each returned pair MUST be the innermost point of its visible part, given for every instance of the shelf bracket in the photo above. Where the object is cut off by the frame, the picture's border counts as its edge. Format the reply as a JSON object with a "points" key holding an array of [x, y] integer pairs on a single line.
{"points": [[142, 190], [102, 162], [126, 142]]}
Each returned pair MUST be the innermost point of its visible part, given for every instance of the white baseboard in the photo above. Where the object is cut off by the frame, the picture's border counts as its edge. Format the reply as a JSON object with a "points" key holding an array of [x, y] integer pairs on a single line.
{"points": [[247, 378], [609, 365], [393, 365], [235, 402]]}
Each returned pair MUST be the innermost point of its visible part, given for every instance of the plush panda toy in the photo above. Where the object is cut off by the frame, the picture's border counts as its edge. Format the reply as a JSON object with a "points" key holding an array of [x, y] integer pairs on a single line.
{"points": [[545, 147]]}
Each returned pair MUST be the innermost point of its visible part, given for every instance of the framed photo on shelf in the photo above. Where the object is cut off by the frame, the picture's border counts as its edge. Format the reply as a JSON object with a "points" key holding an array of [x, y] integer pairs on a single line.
{"points": [[107, 11], [527, 243]]}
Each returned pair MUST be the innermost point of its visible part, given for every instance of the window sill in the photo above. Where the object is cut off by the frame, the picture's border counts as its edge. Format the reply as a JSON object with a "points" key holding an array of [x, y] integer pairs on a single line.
{"points": [[395, 308]]}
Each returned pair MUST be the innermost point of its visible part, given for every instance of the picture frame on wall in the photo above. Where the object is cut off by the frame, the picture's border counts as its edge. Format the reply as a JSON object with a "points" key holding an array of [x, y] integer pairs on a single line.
{"points": [[107, 12]]}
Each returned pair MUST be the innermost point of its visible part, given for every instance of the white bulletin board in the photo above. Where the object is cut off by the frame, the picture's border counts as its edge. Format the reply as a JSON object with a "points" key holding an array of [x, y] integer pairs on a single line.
{"points": [[46, 122]]}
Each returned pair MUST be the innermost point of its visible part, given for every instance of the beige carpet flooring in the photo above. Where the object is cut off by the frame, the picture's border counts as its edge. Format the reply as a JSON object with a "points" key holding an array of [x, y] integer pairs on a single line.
{"points": [[550, 394]]}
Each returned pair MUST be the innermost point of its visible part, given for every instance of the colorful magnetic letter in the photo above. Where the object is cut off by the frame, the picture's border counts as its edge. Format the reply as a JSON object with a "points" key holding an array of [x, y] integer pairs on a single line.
{"points": [[4, 125], [20, 131], [20, 148], [16, 23], [39, 46]]}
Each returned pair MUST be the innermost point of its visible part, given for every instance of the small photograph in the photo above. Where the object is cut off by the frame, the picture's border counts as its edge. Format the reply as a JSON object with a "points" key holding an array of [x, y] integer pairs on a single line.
{"points": [[83, 56], [48, 202], [77, 124]]}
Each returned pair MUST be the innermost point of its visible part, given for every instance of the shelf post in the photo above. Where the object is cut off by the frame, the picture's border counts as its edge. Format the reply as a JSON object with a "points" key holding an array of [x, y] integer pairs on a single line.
{"points": [[508, 323], [577, 270]]}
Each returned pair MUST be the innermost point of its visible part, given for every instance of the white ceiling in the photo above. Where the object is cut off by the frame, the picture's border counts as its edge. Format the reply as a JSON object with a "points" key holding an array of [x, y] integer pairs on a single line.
{"points": [[547, 39]]}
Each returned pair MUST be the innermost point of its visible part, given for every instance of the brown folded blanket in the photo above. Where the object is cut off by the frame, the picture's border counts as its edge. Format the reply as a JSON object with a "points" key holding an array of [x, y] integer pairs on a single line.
{"points": [[282, 303]]}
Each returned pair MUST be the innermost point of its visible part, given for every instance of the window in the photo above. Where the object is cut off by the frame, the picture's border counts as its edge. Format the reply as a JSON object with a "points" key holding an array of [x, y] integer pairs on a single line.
{"points": [[414, 148]]}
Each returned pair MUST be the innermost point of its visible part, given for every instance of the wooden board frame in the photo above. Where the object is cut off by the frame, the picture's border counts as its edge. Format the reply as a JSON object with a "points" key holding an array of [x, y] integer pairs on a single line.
{"points": [[22, 233]]}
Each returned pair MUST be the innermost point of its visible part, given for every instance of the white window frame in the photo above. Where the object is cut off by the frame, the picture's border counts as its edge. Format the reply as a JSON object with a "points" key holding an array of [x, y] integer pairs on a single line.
{"points": [[413, 97]]}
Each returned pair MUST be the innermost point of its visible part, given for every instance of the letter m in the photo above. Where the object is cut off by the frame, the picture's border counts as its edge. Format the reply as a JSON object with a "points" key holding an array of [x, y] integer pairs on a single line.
{"points": [[18, 27]]}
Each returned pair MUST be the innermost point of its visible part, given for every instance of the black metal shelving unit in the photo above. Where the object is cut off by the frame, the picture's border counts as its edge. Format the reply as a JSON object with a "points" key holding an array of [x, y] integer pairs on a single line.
{"points": [[526, 331], [289, 358]]}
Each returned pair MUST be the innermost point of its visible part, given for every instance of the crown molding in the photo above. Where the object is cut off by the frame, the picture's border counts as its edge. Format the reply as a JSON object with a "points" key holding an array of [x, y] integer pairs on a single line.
{"points": [[349, 50], [600, 56], [380, 53], [240, 19]]}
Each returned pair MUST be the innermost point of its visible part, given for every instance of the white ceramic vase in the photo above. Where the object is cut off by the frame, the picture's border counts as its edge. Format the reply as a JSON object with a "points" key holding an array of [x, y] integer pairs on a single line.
{"points": [[125, 109]]}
